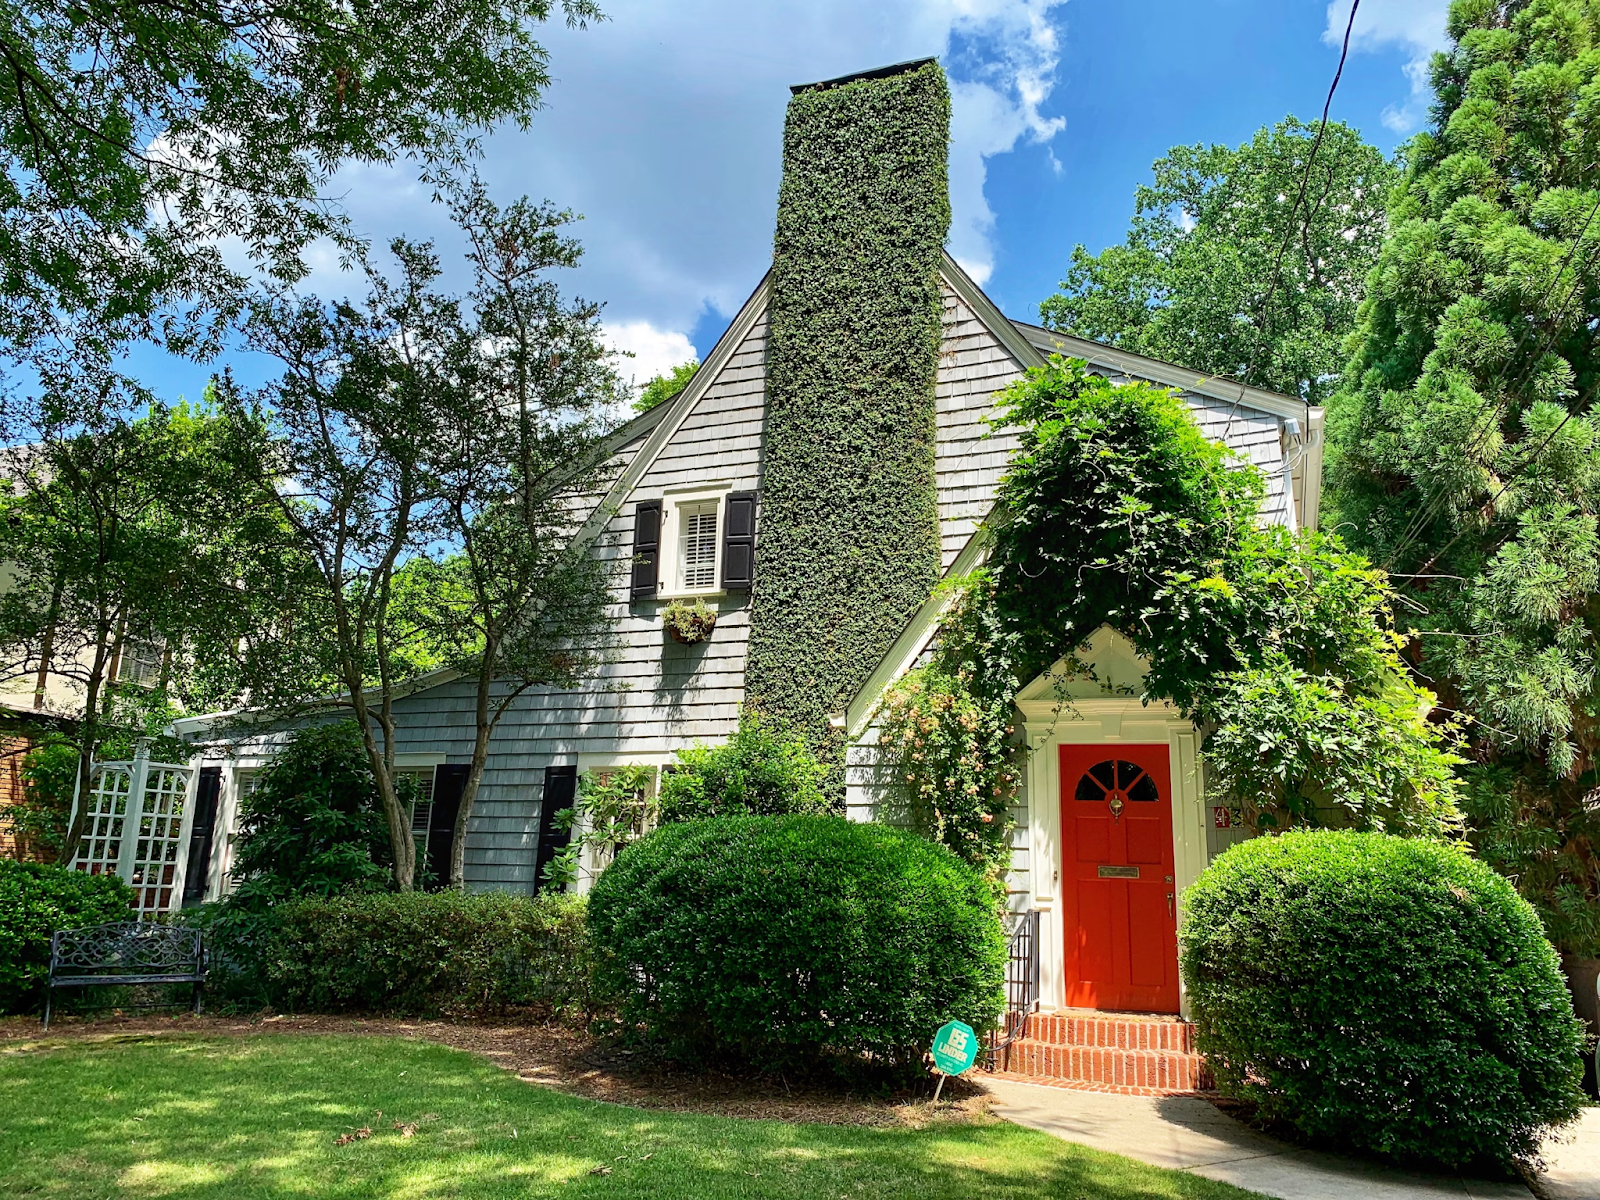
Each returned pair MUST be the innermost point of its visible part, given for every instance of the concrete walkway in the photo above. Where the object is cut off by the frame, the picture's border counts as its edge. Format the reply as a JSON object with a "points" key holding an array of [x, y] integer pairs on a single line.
{"points": [[1573, 1160], [1187, 1134]]}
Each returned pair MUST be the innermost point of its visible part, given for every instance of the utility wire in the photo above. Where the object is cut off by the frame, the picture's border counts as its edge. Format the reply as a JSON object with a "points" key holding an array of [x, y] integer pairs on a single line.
{"points": [[1419, 523], [1264, 311]]}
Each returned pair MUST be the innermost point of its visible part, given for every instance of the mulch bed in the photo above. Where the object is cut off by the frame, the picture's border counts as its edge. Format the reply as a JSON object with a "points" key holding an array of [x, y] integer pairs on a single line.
{"points": [[560, 1057]]}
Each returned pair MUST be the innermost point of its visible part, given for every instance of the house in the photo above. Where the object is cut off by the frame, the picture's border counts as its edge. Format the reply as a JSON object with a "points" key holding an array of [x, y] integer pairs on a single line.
{"points": [[1110, 825]]}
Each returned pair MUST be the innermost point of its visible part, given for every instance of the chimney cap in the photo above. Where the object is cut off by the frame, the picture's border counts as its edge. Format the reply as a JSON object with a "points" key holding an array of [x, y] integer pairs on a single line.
{"points": [[902, 68]]}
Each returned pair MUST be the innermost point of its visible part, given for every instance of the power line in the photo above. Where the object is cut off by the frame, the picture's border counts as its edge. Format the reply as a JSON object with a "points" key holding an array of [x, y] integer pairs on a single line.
{"points": [[1419, 523], [1264, 311]]}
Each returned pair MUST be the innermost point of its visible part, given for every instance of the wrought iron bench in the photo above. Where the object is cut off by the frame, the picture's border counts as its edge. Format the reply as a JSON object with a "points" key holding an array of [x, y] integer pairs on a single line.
{"points": [[126, 953]]}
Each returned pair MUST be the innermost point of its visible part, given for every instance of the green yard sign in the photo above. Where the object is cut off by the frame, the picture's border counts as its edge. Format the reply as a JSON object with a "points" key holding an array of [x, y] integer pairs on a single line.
{"points": [[955, 1047]]}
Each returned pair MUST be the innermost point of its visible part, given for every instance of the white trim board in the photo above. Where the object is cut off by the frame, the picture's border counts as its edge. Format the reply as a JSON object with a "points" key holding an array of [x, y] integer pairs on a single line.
{"points": [[678, 412]]}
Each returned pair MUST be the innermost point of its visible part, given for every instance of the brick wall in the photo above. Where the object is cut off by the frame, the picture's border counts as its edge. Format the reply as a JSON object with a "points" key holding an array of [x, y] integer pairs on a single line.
{"points": [[11, 751]]}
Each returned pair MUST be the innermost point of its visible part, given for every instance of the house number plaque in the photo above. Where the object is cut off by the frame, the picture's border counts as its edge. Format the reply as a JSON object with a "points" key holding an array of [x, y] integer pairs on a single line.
{"points": [[1119, 872]]}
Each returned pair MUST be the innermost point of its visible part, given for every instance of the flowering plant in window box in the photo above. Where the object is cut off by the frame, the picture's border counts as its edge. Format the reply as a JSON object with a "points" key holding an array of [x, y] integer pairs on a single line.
{"points": [[689, 623]]}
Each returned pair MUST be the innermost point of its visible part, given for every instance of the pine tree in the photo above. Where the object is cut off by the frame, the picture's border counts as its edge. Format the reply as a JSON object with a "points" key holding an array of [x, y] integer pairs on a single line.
{"points": [[1462, 444]]}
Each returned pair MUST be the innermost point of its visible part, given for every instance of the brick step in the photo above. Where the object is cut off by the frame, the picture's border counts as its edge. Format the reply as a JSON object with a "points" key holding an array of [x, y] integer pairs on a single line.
{"points": [[1150, 1072], [1118, 1031]]}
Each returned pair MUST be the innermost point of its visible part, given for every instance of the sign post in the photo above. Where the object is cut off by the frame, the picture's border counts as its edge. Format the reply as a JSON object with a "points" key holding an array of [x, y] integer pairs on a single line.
{"points": [[955, 1048]]}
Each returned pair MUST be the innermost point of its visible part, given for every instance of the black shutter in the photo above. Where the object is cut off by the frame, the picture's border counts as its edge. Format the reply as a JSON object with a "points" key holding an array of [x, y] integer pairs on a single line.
{"points": [[646, 547], [449, 781], [202, 835], [739, 542], [560, 792]]}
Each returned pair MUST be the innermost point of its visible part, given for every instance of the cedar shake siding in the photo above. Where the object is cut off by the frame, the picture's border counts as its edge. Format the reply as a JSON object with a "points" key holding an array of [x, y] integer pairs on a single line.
{"points": [[653, 695]]}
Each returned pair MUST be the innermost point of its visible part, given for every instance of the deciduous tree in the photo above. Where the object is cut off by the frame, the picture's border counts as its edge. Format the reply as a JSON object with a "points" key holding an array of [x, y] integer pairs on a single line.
{"points": [[1223, 272], [433, 443], [140, 133], [144, 537]]}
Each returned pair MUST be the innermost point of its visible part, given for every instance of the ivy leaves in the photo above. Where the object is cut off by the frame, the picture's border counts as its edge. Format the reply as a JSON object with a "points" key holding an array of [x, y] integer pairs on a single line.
{"points": [[849, 505], [1114, 494], [1120, 513]]}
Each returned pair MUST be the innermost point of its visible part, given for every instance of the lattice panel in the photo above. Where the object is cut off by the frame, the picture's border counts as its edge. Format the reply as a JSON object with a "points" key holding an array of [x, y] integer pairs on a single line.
{"points": [[159, 847], [105, 822]]}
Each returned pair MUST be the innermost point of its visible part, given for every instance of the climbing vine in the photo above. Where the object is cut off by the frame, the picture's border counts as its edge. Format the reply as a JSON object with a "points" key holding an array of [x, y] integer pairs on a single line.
{"points": [[947, 739], [849, 525], [1118, 511]]}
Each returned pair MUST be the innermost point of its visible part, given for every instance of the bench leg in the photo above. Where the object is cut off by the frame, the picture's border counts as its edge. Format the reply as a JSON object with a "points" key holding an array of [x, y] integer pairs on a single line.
{"points": [[198, 988], [48, 994]]}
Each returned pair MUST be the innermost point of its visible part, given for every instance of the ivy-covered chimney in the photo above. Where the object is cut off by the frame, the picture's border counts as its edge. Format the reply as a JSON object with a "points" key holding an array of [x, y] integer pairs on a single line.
{"points": [[849, 525]]}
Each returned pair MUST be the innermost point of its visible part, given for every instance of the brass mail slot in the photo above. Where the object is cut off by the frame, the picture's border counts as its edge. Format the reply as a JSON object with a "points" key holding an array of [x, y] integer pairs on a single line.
{"points": [[1119, 872]]}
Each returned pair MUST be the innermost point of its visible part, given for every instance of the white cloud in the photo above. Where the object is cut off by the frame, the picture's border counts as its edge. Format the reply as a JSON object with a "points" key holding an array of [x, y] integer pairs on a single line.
{"points": [[654, 351], [994, 107], [663, 127], [1416, 26]]}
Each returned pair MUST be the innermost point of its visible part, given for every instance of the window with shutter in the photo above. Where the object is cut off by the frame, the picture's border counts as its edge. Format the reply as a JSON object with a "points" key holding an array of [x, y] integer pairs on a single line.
{"points": [[697, 546], [646, 547]]}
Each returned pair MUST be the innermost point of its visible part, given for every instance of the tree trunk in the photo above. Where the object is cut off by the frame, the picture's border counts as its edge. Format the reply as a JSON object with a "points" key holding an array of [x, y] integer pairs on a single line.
{"points": [[88, 743], [398, 820], [47, 646], [469, 790]]}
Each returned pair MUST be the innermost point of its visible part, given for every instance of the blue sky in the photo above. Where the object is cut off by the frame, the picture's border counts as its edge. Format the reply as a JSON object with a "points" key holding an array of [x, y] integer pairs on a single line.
{"points": [[663, 129]]}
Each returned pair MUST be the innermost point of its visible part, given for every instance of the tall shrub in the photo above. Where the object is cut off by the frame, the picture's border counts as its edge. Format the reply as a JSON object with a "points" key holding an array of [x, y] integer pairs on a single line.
{"points": [[313, 825], [764, 769], [775, 940], [1380, 993], [849, 508]]}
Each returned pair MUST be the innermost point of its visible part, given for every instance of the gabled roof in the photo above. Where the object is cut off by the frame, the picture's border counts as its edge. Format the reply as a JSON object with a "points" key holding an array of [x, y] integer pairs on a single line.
{"points": [[1124, 362], [1030, 345], [185, 727], [663, 421]]}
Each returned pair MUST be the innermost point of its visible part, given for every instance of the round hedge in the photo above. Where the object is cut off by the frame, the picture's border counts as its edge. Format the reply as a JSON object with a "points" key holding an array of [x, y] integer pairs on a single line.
{"points": [[777, 939], [1380, 993]]}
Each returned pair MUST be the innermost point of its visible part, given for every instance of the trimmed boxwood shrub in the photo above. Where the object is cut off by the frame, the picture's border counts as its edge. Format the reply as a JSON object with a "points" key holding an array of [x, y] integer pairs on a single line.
{"points": [[35, 901], [776, 940], [1384, 994], [417, 953]]}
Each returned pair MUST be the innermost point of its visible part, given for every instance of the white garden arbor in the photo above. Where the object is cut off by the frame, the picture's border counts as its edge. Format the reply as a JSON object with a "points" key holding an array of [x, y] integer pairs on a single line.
{"points": [[137, 823]]}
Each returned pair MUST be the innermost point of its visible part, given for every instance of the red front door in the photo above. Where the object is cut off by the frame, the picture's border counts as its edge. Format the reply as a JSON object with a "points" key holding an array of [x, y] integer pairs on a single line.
{"points": [[1120, 904]]}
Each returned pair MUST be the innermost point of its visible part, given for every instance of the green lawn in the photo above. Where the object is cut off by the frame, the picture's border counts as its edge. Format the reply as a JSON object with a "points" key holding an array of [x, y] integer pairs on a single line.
{"points": [[257, 1117]]}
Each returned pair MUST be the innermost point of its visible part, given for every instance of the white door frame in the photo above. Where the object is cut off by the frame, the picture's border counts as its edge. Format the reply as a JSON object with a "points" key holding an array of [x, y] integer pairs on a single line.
{"points": [[1108, 720]]}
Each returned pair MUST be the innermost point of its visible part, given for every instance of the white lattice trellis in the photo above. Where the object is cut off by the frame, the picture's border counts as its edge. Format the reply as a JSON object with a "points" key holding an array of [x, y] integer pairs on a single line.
{"points": [[137, 825]]}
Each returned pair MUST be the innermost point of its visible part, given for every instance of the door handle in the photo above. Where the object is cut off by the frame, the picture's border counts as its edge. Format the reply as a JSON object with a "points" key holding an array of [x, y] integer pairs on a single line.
{"points": [[1170, 911]]}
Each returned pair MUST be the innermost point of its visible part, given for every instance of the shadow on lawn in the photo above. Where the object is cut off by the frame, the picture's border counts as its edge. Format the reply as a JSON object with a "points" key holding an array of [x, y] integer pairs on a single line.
{"points": [[261, 1117]]}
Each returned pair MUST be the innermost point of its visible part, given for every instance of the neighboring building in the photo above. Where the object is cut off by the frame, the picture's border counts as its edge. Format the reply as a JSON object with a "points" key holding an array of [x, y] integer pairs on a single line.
{"points": [[680, 520]]}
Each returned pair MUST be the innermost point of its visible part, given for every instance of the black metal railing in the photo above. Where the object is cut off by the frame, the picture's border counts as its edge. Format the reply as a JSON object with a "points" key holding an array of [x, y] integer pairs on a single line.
{"points": [[1022, 987]]}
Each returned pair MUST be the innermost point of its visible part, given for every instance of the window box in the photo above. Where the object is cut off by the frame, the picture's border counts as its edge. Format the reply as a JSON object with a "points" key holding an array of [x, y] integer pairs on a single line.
{"points": [[689, 623]]}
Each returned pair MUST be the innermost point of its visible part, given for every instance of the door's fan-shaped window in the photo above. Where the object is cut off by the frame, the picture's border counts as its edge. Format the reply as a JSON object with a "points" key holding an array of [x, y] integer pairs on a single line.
{"points": [[1105, 779]]}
